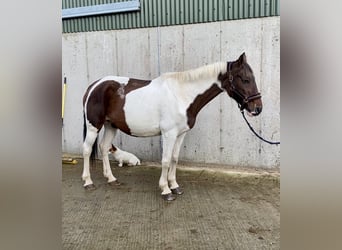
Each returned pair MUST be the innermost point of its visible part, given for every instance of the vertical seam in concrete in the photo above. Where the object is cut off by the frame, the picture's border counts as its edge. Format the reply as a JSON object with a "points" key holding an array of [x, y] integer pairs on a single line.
{"points": [[261, 80], [117, 73], [86, 48], [104, 47], [183, 44], [149, 52], [117, 54], [114, 53], [150, 74], [158, 48], [158, 69], [221, 101]]}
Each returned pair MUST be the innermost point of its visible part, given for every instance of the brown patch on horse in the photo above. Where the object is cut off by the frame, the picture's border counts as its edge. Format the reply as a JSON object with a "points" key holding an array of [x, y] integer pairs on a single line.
{"points": [[87, 91], [134, 84], [199, 102], [107, 101]]}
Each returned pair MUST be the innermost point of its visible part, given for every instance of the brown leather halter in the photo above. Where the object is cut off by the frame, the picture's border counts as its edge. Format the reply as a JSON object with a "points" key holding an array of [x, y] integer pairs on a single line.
{"points": [[245, 99]]}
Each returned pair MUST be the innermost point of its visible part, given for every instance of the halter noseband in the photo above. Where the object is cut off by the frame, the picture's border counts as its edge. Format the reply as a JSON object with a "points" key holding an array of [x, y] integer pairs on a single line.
{"points": [[245, 99]]}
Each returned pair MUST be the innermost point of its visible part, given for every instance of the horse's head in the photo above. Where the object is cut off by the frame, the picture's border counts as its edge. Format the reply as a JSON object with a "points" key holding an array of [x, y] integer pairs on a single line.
{"points": [[239, 83]]}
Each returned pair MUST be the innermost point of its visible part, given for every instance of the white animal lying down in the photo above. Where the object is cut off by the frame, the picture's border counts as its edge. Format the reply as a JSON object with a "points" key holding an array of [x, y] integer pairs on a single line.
{"points": [[124, 157]]}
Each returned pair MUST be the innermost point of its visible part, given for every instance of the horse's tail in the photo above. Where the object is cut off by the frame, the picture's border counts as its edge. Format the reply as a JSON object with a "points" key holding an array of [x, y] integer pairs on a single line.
{"points": [[93, 154], [84, 127]]}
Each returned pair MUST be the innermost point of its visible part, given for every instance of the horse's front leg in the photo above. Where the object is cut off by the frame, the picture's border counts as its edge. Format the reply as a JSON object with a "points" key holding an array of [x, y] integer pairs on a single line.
{"points": [[175, 189], [169, 140]]}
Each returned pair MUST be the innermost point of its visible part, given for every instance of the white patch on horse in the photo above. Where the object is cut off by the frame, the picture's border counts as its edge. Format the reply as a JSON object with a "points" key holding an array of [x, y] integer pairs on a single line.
{"points": [[143, 110]]}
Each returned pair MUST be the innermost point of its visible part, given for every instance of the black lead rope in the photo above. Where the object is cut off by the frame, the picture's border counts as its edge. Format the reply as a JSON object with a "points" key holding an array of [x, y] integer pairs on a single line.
{"points": [[249, 125]]}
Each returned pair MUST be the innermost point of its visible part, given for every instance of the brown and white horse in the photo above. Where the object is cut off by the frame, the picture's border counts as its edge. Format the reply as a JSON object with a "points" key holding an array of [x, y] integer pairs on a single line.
{"points": [[166, 106]]}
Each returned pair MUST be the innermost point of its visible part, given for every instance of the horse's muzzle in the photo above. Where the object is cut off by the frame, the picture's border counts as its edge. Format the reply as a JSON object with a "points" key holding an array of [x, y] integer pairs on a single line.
{"points": [[254, 109]]}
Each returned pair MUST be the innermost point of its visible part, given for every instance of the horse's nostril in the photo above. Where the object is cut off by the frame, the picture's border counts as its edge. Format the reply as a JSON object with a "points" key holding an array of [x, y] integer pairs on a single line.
{"points": [[258, 110]]}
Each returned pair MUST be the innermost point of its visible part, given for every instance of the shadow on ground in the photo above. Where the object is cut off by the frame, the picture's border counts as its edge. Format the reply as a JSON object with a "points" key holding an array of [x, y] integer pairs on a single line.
{"points": [[217, 210]]}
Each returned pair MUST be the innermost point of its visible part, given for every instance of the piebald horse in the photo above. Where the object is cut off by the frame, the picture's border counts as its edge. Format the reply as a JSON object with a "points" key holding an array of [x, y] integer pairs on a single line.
{"points": [[166, 106]]}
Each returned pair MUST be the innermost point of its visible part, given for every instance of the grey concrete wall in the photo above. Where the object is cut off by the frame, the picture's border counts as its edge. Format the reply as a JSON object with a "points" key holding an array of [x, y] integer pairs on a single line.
{"points": [[220, 134]]}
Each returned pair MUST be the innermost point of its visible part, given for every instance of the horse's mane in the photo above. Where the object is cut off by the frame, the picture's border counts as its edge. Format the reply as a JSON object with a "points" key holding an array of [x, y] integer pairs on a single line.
{"points": [[211, 70]]}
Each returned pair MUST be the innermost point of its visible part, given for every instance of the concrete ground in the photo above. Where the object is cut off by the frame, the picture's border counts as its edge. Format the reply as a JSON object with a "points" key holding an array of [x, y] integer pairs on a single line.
{"points": [[220, 209]]}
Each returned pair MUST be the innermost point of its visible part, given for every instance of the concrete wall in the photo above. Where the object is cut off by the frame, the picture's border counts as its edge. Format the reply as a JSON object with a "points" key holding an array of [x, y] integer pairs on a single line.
{"points": [[220, 134]]}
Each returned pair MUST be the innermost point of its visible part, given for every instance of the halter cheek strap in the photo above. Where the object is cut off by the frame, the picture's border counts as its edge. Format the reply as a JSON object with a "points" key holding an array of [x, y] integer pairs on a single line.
{"points": [[229, 70]]}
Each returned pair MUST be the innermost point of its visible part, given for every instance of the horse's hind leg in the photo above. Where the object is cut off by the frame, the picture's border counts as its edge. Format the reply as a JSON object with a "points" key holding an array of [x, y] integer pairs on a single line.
{"points": [[105, 145], [87, 148]]}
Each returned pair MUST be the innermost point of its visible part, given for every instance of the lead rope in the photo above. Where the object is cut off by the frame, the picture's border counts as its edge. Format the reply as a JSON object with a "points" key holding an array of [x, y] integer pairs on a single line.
{"points": [[249, 125]]}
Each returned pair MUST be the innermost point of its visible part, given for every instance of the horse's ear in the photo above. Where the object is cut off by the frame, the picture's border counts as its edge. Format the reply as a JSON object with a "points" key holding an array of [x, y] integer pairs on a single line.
{"points": [[242, 59]]}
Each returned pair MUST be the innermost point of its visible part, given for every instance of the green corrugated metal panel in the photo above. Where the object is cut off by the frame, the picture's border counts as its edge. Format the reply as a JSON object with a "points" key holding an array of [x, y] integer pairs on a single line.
{"points": [[81, 3], [168, 12]]}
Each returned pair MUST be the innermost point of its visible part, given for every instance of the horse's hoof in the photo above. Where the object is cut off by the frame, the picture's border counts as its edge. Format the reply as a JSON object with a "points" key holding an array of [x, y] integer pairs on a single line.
{"points": [[90, 187], [177, 191], [115, 183], [168, 197]]}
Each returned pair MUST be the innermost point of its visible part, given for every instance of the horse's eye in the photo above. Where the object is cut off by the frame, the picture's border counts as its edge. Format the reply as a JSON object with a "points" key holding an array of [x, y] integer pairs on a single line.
{"points": [[243, 80]]}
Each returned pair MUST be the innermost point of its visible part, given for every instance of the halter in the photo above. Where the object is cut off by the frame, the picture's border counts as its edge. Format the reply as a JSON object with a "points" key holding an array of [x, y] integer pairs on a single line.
{"points": [[245, 99]]}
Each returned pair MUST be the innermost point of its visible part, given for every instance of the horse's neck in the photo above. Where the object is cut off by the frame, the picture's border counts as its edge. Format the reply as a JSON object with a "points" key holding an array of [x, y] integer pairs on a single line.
{"points": [[191, 90], [195, 88], [201, 100]]}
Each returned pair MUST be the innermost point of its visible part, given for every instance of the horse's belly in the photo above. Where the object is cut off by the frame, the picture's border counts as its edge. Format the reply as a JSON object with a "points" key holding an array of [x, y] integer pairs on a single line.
{"points": [[142, 119]]}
